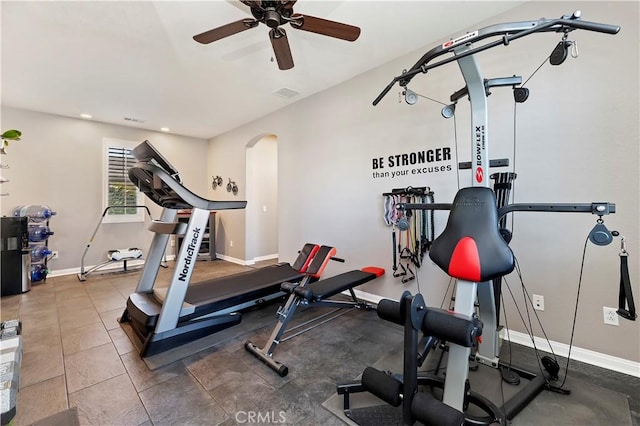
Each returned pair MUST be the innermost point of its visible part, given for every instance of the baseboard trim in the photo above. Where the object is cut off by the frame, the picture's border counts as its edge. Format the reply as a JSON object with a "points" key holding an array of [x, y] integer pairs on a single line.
{"points": [[267, 257], [235, 260], [587, 356], [107, 268], [598, 359]]}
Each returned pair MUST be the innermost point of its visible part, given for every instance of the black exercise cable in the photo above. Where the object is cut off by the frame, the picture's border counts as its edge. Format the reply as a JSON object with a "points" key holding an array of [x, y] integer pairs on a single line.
{"points": [[529, 329], [515, 138], [447, 292], [575, 312], [558, 388], [530, 332], [418, 282], [455, 141], [506, 325]]}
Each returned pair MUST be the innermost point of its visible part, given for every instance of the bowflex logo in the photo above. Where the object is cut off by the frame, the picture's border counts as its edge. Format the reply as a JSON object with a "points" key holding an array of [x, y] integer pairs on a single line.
{"points": [[459, 40], [191, 250], [480, 152]]}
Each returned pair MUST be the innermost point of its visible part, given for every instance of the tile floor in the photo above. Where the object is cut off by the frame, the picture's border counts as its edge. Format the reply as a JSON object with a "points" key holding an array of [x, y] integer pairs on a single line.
{"points": [[77, 355]]}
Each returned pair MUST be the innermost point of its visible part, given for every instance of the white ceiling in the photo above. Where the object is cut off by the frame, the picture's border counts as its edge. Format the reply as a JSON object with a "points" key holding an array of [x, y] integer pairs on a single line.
{"points": [[137, 59]]}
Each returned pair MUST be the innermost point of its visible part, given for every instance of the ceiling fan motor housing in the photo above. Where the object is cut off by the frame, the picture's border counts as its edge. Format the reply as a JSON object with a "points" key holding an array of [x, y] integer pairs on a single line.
{"points": [[272, 18]]}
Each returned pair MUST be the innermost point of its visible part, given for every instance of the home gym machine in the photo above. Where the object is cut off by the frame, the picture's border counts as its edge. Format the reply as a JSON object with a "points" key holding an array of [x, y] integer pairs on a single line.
{"points": [[472, 250], [162, 319]]}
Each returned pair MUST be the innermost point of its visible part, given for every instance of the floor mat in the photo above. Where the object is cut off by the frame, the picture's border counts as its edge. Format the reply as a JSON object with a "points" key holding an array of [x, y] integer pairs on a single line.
{"points": [[588, 404], [256, 319]]}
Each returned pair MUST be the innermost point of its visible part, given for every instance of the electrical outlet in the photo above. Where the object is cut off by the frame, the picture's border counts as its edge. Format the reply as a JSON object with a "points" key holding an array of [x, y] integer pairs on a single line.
{"points": [[610, 316], [54, 254], [230, 243], [538, 302]]}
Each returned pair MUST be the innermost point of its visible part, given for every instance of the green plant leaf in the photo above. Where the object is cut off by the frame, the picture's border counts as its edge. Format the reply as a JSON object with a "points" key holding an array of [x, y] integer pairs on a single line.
{"points": [[12, 135]]}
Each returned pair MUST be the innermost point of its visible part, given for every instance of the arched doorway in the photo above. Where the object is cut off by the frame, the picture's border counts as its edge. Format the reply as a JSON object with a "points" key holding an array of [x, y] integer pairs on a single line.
{"points": [[262, 198]]}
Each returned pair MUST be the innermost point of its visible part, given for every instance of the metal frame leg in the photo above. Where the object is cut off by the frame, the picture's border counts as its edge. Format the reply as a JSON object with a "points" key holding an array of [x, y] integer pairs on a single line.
{"points": [[458, 361]]}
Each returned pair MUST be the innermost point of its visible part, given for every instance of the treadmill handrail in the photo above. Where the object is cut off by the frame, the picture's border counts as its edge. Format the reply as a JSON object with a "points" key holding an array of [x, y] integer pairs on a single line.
{"points": [[509, 31], [152, 172]]}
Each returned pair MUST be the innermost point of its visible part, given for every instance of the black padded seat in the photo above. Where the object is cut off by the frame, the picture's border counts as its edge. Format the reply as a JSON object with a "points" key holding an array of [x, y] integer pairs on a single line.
{"points": [[470, 247], [328, 287]]}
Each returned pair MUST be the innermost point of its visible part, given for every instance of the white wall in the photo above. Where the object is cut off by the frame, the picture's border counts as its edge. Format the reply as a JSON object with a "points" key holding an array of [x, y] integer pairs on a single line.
{"points": [[577, 141], [58, 162]]}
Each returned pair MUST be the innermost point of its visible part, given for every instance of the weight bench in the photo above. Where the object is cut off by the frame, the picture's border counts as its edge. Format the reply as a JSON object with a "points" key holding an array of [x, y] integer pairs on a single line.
{"points": [[313, 294]]}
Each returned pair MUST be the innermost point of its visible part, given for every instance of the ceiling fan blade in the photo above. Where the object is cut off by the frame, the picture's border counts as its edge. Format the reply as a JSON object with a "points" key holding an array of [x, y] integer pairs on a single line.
{"points": [[281, 48], [225, 31], [325, 27], [253, 3], [288, 4]]}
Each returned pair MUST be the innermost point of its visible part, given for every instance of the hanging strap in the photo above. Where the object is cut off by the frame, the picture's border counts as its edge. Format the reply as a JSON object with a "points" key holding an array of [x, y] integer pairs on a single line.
{"points": [[625, 296], [389, 210]]}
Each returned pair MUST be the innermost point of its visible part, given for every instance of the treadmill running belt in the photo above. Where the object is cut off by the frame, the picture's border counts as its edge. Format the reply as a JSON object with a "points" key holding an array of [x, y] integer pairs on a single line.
{"points": [[229, 291]]}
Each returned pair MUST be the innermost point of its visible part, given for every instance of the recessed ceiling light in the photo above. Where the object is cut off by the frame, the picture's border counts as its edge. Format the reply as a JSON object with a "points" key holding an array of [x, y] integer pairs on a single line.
{"points": [[87, 116], [165, 129]]}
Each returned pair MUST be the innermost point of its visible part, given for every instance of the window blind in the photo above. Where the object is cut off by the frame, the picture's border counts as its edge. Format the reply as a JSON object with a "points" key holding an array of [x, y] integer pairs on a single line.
{"points": [[123, 194]]}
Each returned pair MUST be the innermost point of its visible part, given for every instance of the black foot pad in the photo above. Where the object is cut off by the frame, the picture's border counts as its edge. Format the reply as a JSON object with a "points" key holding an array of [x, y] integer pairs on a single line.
{"points": [[377, 415], [510, 376]]}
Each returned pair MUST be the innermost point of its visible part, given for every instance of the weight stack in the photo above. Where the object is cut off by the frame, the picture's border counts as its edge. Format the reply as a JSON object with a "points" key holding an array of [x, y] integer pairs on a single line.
{"points": [[10, 359]]}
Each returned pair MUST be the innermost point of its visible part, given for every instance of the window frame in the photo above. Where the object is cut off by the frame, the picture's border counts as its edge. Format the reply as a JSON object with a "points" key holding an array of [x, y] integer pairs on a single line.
{"points": [[120, 144]]}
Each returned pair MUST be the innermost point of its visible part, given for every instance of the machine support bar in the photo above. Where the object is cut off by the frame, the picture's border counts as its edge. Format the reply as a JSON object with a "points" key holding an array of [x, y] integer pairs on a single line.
{"points": [[185, 264], [458, 362], [155, 255], [599, 208], [479, 116]]}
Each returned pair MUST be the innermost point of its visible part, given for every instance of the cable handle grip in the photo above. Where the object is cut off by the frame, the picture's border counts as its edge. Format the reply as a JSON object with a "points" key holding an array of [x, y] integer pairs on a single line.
{"points": [[592, 26], [337, 259], [382, 94]]}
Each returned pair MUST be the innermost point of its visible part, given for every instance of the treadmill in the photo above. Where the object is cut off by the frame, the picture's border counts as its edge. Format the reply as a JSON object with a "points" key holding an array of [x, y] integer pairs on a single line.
{"points": [[166, 318]]}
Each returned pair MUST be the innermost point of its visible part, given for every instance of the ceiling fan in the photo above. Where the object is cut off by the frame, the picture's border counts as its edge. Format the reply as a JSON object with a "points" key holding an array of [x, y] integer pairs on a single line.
{"points": [[274, 14]]}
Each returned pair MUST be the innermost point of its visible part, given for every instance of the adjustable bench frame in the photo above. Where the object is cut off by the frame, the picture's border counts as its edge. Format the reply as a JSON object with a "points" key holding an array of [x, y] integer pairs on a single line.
{"points": [[313, 294]]}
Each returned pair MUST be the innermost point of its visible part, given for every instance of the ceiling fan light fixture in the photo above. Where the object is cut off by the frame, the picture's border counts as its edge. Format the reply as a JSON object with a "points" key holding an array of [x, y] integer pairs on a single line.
{"points": [[273, 14]]}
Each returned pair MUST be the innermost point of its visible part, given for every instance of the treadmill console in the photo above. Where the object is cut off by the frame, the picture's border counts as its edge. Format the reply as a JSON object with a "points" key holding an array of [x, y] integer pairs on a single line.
{"points": [[161, 182], [145, 152]]}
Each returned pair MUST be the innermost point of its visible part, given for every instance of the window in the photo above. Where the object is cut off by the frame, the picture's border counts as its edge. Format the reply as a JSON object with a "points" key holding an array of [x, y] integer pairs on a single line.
{"points": [[119, 192]]}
